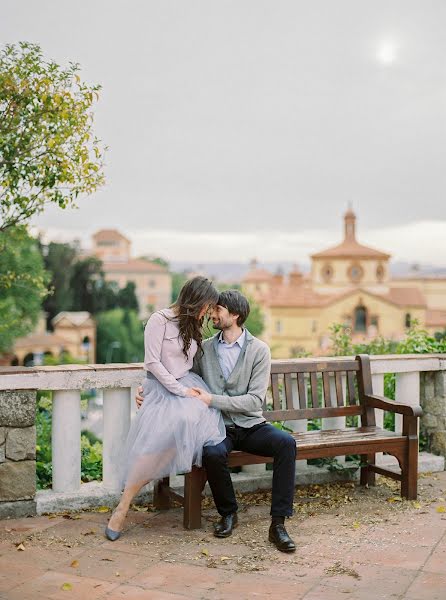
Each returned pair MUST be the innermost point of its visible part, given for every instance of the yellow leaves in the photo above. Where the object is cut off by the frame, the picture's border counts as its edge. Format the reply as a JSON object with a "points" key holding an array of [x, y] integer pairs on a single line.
{"points": [[103, 509], [20, 547], [356, 525], [224, 558], [74, 564], [205, 552], [66, 587], [394, 499], [441, 509], [416, 504]]}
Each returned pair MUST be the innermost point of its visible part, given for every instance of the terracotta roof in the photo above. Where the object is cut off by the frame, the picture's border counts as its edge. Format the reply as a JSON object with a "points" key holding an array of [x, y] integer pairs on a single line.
{"points": [[257, 275], [40, 339], [351, 249], [435, 317], [134, 265], [297, 296], [304, 296], [109, 234], [76, 318], [410, 296]]}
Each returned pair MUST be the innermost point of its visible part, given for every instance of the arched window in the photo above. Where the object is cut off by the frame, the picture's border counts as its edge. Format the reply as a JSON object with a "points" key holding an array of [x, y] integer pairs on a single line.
{"points": [[407, 320], [360, 318]]}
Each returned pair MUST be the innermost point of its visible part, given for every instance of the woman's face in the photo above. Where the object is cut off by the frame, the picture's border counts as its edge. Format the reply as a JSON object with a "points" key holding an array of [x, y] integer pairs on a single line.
{"points": [[206, 308]]}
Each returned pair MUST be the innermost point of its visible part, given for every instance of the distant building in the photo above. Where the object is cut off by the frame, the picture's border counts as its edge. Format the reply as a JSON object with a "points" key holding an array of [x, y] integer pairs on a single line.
{"points": [[153, 281], [74, 333], [349, 283]]}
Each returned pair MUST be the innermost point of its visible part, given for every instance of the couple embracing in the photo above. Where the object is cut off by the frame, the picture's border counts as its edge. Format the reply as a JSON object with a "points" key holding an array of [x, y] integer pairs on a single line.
{"points": [[200, 400]]}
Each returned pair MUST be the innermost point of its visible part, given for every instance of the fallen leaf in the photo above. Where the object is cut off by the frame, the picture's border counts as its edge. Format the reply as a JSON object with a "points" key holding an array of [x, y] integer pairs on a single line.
{"points": [[416, 504], [117, 574], [356, 525], [441, 509], [103, 509], [21, 547], [74, 564], [223, 558], [205, 551], [66, 587]]}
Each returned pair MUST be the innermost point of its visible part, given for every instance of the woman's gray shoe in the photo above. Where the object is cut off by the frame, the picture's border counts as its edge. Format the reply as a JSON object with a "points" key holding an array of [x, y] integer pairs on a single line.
{"points": [[112, 535]]}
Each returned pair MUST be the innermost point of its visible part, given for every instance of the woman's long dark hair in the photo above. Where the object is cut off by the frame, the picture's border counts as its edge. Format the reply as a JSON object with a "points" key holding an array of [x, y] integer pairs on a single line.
{"points": [[194, 295]]}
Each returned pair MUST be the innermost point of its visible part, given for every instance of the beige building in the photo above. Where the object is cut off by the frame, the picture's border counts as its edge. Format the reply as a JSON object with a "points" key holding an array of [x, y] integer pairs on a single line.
{"points": [[153, 281], [74, 333], [349, 283]]}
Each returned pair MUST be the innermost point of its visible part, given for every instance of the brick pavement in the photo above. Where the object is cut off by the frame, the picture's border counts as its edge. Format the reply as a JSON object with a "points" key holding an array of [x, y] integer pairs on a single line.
{"points": [[352, 543]]}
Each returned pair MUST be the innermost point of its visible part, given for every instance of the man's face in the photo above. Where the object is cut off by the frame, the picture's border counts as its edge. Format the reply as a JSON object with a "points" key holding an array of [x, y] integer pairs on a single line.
{"points": [[222, 318]]}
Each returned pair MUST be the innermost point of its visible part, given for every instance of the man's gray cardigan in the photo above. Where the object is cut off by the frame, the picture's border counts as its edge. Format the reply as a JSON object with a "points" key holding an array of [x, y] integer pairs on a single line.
{"points": [[241, 396]]}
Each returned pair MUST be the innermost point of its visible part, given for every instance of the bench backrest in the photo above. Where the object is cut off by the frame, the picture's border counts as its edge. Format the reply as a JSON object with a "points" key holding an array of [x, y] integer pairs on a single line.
{"points": [[311, 388]]}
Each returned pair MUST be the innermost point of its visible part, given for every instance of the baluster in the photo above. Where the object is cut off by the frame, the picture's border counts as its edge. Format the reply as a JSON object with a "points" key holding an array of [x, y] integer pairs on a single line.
{"points": [[116, 425], [378, 389], [407, 391], [66, 440]]}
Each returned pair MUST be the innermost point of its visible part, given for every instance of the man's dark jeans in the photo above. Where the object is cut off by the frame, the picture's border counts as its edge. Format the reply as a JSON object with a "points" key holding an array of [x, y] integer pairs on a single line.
{"points": [[262, 439]]}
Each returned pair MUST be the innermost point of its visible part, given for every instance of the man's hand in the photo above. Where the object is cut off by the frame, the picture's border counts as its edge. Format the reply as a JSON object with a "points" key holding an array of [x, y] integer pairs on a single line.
{"points": [[203, 396], [191, 393], [139, 398]]}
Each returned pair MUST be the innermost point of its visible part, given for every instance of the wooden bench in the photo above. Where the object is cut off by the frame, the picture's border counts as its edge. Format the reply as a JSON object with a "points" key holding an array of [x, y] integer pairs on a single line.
{"points": [[313, 389]]}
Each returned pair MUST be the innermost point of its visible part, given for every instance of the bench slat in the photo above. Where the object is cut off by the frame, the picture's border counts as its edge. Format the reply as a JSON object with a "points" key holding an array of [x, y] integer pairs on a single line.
{"points": [[314, 391], [326, 387], [275, 391], [304, 365], [288, 391], [351, 388], [312, 413], [339, 391], [302, 390]]}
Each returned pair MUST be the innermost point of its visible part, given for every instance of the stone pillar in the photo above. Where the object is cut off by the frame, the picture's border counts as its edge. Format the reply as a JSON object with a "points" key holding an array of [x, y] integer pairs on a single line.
{"points": [[17, 453], [433, 403], [66, 440], [116, 426]]}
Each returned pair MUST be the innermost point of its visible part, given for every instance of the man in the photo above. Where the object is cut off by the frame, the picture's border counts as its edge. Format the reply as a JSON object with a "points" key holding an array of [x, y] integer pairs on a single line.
{"points": [[236, 367]]}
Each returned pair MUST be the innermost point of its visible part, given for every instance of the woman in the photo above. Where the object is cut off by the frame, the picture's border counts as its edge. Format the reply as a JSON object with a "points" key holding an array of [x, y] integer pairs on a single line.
{"points": [[172, 426]]}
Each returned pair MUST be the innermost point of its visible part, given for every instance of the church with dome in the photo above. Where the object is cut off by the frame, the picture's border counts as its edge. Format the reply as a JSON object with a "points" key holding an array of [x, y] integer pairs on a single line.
{"points": [[351, 284]]}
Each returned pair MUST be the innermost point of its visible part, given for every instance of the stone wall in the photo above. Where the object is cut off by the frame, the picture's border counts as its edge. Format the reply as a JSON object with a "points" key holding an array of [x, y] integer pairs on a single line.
{"points": [[433, 403], [17, 453]]}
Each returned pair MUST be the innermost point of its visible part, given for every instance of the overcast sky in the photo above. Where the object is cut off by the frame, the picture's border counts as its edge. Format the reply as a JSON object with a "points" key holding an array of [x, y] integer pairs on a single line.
{"points": [[245, 127]]}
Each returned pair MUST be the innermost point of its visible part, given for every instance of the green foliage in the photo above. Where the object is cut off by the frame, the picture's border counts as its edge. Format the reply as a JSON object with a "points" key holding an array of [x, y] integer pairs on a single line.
{"points": [[418, 341], [48, 153], [178, 280], [126, 297], [91, 447], [120, 336], [59, 259], [23, 285], [255, 323]]}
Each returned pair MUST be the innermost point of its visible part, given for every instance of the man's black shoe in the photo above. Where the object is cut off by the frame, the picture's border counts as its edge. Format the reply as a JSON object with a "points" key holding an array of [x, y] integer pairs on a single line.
{"points": [[279, 537], [225, 526]]}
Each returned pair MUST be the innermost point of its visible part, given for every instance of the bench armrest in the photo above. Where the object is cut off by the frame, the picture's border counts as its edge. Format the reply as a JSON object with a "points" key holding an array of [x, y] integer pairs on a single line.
{"points": [[395, 407]]}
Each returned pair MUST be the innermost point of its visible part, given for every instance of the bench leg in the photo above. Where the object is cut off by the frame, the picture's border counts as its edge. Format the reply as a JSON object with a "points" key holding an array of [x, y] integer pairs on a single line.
{"points": [[367, 476], [194, 483], [409, 473], [161, 498]]}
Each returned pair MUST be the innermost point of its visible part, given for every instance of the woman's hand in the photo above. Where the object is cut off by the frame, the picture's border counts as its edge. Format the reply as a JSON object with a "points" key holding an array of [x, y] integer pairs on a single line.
{"points": [[204, 396], [192, 392], [139, 398]]}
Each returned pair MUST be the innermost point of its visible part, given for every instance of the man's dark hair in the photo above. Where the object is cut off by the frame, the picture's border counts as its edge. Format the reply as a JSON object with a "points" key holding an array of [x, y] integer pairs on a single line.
{"points": [[236, 303]]}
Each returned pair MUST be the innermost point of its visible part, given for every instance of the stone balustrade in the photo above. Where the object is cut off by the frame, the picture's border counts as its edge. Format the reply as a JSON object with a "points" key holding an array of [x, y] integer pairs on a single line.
{"points": [[419, 378]]}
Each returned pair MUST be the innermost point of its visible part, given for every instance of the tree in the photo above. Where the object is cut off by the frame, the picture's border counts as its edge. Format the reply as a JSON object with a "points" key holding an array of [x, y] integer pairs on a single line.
{"points": [[23, 285], [90, 290], [255, 323], [120, 336], [126, 297], [178, 280], [48, 154], [59, 259]]}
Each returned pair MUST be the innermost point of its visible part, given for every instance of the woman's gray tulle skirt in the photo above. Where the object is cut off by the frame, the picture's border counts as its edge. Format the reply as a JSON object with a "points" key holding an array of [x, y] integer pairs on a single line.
{"points": [[168, 433]]}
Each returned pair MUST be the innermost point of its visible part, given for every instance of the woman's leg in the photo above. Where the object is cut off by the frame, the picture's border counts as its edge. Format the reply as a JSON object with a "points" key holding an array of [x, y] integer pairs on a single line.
{"points": [[138, 477]]}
